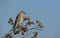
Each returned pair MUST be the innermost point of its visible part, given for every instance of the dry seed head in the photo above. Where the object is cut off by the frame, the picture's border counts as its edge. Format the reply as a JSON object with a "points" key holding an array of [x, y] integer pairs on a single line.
{"points": [[11, 21]]}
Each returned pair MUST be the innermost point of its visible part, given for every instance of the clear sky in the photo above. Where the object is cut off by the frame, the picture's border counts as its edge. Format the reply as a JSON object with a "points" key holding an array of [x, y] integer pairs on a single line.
{"points": [[48, 11]]}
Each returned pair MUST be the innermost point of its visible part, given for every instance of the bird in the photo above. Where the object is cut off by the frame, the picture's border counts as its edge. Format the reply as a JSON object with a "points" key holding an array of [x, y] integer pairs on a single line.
{"points": [[19, 19], [39, 24]]}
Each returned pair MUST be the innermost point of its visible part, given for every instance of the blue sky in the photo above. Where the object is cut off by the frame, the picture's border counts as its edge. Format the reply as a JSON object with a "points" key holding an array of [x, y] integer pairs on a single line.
{"points": [[48, 11]]}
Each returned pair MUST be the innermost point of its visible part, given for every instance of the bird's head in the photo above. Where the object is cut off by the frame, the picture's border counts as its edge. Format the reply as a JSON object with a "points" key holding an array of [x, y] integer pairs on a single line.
{"points": [[22, 12]]}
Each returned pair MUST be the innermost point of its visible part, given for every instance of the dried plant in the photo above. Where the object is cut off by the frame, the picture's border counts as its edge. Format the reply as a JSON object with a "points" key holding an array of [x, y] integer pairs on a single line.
{"points": [[11, 21], [18, 25], [30, 22], [39, 24], [35, 35], [8, 36]]}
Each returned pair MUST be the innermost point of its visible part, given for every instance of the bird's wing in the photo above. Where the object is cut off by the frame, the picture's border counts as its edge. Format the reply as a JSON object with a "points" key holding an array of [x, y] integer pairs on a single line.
{"points": [[15, 21]]}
